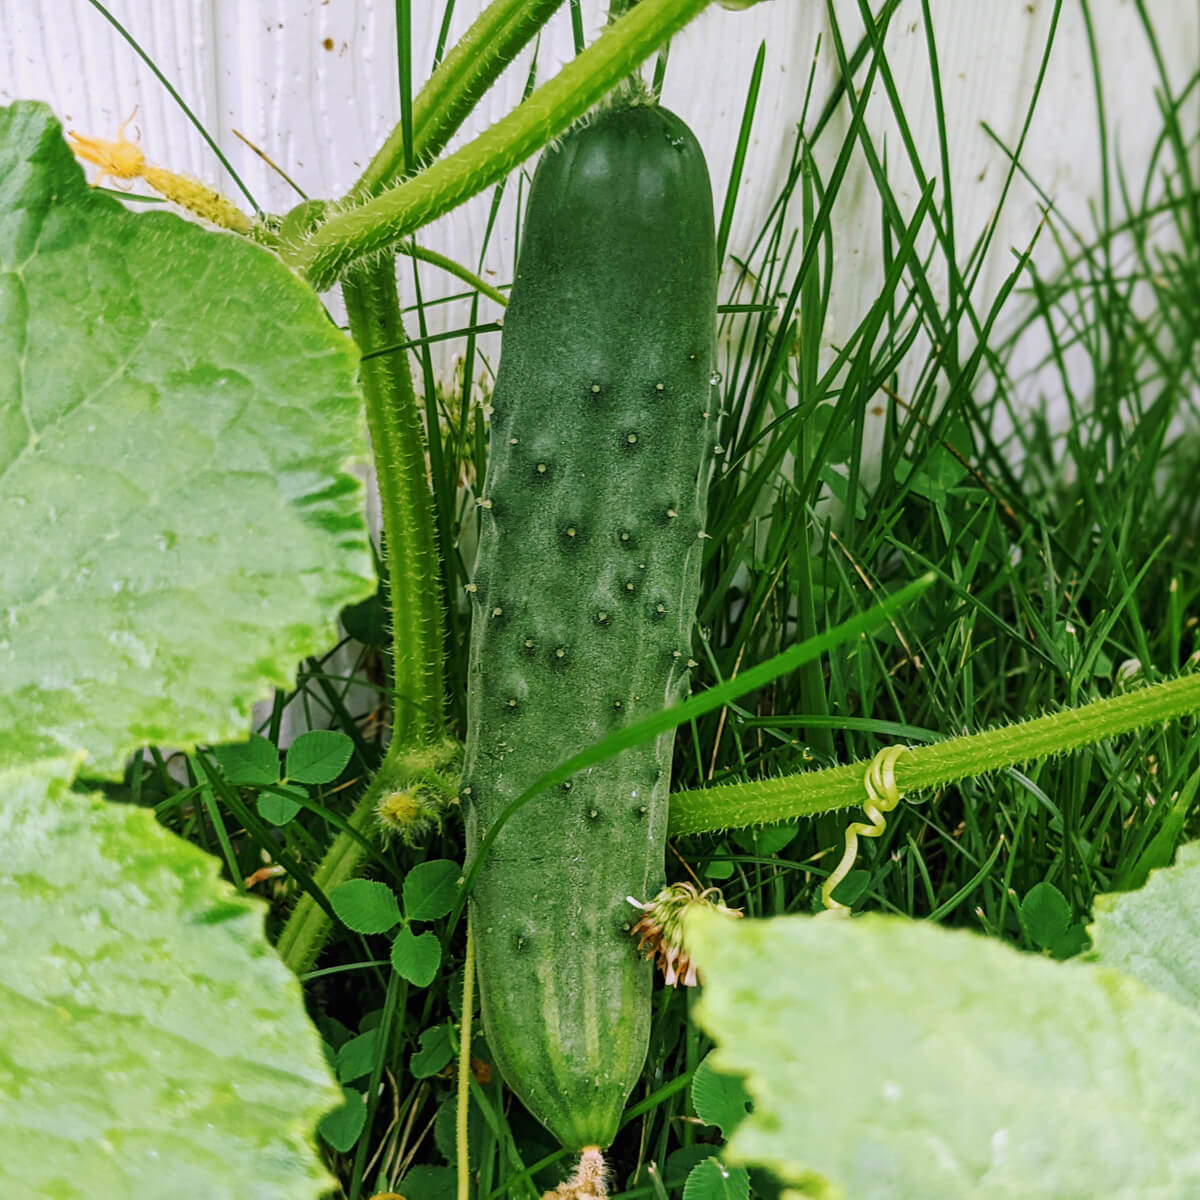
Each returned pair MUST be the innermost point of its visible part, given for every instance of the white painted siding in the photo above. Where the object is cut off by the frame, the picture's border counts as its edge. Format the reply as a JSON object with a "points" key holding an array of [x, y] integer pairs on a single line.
{"points": [[313, 84]]}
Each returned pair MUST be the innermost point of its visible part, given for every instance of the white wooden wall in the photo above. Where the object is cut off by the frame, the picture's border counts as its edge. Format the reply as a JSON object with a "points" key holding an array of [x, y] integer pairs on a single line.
{"points": [[313, 83]]}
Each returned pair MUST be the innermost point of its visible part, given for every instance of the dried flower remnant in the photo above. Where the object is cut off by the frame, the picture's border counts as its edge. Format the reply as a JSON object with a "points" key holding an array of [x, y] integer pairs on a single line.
{"points": [[660, 929]]}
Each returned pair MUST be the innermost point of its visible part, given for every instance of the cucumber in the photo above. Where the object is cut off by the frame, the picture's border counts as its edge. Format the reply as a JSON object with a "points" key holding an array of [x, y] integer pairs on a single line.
{"points": [[584, 597]]}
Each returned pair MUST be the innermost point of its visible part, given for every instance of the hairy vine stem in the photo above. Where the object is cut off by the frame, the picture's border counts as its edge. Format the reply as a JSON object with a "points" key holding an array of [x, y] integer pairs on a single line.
{"points": [[373, 228], [406, 502], [495, 37], [733, 806], [461, 1122], [398, 443]]}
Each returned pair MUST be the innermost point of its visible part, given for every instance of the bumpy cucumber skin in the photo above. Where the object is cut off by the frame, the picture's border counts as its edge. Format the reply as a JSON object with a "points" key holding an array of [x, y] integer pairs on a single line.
{"points": [[584, 599]]}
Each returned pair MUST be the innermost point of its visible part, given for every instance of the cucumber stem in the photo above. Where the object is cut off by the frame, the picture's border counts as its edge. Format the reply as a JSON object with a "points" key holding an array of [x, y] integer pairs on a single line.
{"points": [[307, 927], [379, 224], [406, 504], [494, 39], [590, 1181], [734, 806], [462, 1124], [418, 724]]}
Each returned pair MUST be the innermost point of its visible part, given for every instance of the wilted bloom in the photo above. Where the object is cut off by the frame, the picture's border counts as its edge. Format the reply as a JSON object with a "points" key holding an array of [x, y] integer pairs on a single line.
{"points": [[661, 927]]}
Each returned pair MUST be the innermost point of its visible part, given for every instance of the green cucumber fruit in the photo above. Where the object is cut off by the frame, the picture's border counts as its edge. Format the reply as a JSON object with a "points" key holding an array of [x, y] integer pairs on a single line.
{"points": [[584, 599]]}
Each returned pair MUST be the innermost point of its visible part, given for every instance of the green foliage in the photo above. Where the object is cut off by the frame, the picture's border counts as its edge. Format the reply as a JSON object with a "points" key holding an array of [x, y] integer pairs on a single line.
{"points": [[723, 1101], [768, 840], [446, 1135], [1065, 551], [416, 956], [434, 1052], [429, 1183], [1151, 934], [280, 806], [366, 905], [712, 1180], [139, 990], [252, 763], [125, 566], [318, 756], [356, 1057], [430, 889], [342, 1127], [1019, 1067], [130, 565], [1046, 918], [1160, 849], [719, 1100]]}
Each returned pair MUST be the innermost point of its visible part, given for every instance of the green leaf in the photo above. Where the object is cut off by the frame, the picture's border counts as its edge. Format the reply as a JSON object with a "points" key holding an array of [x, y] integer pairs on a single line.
{"points": [[680, 1162], [341, 1127], [941, 472], [719, 868], [1072, 941], [853, 887], [142, 1007], [713, 1180], [768, 840], [1045, 914], [416, 956], [1152, 934], [365, 905], [368, 622], [178, 423], [719, 1100], [333, 1031], [430, 889], [445, 1131], [895, 1058], [429, 1183], [434, 1052], [249, 764], [279, 807], [319, 756], [357, 1056]]}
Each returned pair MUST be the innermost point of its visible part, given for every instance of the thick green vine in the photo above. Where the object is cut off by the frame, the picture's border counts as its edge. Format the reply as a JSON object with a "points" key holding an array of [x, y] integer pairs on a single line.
{"points": [[374, 228], [738, 805], [456, 86], [418, 728]]}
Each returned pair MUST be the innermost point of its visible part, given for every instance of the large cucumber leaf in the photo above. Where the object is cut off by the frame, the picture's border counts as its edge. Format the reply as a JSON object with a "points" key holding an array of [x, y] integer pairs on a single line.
{"points": [[896, 1059], [177, 421], [151, 1043], [1154, 934], [178, 424]]}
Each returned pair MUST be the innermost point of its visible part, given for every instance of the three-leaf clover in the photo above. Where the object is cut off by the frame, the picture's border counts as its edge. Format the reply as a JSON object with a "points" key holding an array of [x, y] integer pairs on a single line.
{"points": [[316, 757], [429, 892]]}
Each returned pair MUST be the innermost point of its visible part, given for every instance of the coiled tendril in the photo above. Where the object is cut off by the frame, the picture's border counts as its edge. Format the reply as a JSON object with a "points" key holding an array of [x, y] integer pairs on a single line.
{"points": [[882, 796]]}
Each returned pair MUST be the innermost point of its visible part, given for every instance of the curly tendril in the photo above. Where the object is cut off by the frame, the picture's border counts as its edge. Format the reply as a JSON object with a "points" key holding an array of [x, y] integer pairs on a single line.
{"points": [[882, 796]]}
